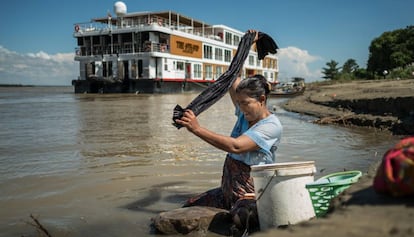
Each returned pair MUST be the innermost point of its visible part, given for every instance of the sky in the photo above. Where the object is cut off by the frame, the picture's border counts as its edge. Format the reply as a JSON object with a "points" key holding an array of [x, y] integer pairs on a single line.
{"points": [[37, 46]]}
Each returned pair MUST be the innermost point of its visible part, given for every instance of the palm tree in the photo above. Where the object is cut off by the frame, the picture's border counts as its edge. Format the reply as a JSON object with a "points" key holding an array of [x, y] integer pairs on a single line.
{"points": [[332, 71]]}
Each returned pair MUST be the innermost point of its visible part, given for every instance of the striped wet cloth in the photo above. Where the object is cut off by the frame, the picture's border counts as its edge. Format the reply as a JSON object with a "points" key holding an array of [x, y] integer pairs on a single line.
{"points": [[264, 45]]}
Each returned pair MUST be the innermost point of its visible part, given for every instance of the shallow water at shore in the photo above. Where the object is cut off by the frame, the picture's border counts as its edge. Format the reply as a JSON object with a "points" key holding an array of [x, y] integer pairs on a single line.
{"points": [[104, 164]]}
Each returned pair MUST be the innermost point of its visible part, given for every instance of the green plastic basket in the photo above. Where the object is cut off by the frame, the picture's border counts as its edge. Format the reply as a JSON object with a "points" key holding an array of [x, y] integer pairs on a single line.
{"points": [[324, 189]]}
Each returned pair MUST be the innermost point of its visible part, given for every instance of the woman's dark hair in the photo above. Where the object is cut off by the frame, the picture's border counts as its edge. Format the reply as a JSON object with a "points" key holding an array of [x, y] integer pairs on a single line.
{"points": [[254, 86]]}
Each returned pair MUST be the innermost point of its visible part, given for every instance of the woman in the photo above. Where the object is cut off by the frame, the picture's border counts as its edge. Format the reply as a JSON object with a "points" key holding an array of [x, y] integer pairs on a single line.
{"points": [[253, 141]]}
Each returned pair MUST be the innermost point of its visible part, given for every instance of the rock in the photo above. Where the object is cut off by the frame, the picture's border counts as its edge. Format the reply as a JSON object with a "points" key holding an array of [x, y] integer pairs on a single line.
{"points": [[191, 219]]}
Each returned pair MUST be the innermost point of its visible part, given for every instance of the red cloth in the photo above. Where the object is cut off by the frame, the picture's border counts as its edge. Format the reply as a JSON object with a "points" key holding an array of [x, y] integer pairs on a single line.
{"points": [[395, 175]]}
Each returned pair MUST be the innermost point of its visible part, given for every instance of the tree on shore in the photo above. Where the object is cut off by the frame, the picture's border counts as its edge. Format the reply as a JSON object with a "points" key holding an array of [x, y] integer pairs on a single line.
{"points": [[391, 50], [361, 73], [391, 55], [349, 70], [350, 66], [331, 72]]}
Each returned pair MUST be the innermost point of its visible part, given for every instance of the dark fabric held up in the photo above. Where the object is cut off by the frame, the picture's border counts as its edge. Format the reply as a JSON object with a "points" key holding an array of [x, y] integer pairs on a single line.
{"points": [[265, 44]]}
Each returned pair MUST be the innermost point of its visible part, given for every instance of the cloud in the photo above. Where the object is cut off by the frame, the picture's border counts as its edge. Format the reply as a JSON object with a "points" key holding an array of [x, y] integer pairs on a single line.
{"points": [[37, 68], [296, 62], [42, 68]]}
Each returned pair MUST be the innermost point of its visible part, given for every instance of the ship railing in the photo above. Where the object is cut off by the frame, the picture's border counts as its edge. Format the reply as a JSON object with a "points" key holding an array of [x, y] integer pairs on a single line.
{"points": [[156, 47], [126, 48], [90, 27]]}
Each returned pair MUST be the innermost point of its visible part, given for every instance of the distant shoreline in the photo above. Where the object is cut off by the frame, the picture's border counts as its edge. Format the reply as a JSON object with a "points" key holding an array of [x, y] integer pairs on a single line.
{"points": [[21, 85], [15, 85]]}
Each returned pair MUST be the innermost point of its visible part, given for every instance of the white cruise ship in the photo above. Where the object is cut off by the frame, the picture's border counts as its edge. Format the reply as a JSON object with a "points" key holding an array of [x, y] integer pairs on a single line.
{"points": [[157, 52]]}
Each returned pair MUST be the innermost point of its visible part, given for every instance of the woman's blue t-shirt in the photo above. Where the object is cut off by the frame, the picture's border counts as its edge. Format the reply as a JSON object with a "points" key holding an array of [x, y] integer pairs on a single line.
{"points": [[266, 133]]}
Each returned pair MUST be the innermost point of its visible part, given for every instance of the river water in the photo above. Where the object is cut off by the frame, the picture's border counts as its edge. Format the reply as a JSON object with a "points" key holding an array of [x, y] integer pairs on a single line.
{"points": [[105, 164]]}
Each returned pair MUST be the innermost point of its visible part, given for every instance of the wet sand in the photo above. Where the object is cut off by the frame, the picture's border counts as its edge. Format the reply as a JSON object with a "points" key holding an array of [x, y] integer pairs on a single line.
{"points": [[359, 211]]}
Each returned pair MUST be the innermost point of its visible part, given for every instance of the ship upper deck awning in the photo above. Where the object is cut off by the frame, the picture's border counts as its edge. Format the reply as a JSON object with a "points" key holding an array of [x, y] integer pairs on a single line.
{"points": [[168, 15]]}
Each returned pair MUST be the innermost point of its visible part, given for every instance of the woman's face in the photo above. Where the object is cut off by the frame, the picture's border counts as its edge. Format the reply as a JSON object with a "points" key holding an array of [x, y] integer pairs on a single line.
{"points": [[251, 107]]}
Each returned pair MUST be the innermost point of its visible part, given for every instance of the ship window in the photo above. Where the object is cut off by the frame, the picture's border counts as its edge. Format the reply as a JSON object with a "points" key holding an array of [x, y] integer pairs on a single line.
{"points": [[227, 55], [145, 36], [180, 66], [209, 71], [228, 38], [251, 60], [236, 40], [208, 52], [126, 37], [80, 41], [115, 38], [87, 41], [218, 54], [219, 71], [106, 39], [197, 70], [95, 40]]}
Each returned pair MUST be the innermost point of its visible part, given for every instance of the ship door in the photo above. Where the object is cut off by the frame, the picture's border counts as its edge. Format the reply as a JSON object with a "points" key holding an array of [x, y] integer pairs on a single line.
{"points": [[140, 69], [90, 70], [107, 69], [126, 70], [187, 70]]}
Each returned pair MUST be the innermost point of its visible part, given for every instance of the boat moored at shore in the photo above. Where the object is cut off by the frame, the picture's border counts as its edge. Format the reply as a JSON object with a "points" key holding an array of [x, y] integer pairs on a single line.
{"points": [[290, 89], [157, 52]]}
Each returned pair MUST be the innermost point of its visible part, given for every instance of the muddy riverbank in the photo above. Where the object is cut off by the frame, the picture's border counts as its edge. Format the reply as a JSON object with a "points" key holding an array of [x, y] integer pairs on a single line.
{"points": [[360, 211], [380, 104]]}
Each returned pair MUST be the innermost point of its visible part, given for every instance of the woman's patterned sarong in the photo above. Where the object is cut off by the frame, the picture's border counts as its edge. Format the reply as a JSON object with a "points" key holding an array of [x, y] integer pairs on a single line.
{"points": [[235, 183]]}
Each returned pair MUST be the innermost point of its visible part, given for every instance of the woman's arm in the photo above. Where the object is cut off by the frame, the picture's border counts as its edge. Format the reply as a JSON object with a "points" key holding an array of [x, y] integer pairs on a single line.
{"points": [[237, 81], [237, 145], [232, 90]]}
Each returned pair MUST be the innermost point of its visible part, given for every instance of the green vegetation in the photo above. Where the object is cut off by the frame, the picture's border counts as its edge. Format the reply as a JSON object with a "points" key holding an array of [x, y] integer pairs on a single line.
{"points": [[391, 55], [332, 71]]}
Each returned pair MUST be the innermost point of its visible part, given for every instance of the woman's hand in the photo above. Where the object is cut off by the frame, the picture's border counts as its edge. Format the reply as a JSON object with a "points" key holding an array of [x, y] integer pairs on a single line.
{"points": [[189, 120], [256, 38]]}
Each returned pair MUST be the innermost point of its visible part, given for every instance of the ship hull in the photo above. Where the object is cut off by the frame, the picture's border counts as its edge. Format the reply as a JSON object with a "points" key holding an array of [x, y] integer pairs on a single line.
{"points": [[146, 86]]}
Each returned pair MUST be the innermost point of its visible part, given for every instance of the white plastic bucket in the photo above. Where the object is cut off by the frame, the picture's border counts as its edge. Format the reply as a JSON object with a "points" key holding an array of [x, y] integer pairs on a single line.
{"points": [[281, 194]]}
